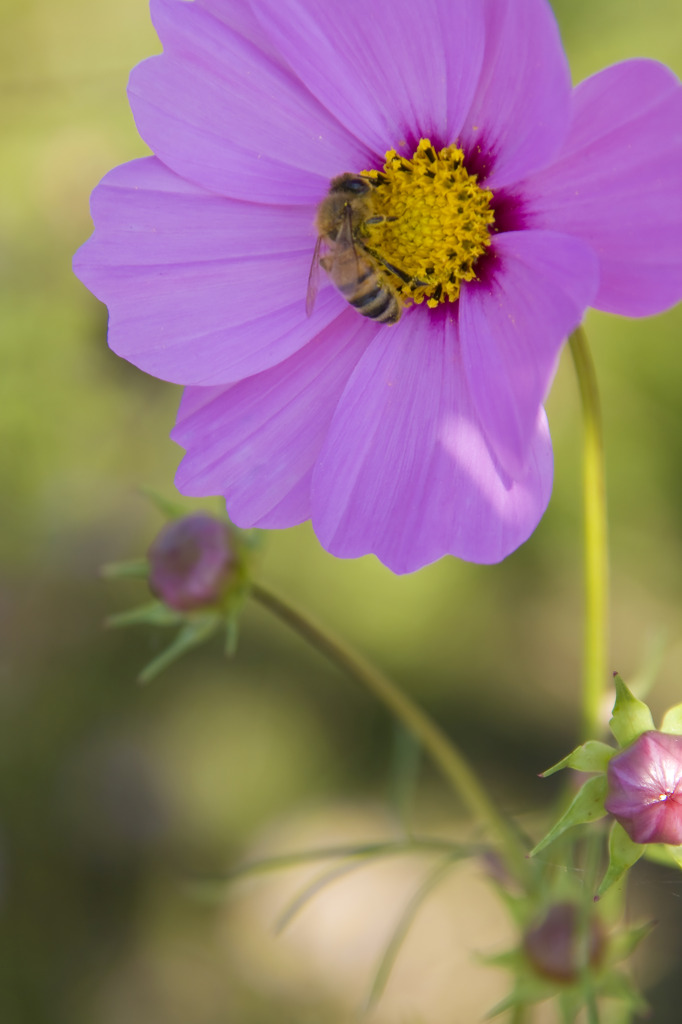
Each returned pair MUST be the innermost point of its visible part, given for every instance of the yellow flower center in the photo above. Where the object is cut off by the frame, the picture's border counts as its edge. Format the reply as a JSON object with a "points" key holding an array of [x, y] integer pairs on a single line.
{"points": [[430, 221]]}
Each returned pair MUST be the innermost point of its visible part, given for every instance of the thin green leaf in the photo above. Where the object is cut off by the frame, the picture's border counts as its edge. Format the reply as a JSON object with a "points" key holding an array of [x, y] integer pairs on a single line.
{"points": [[623, 853], [631, 717], [587, 805], [672, 720], [388, 959], [412, 845], [191, 635], [312, 889], [592, 756]]}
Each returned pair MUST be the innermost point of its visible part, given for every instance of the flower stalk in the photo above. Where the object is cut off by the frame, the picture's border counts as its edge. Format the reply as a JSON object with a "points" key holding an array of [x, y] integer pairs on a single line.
{"points": [[452, 764], [596, 543]]}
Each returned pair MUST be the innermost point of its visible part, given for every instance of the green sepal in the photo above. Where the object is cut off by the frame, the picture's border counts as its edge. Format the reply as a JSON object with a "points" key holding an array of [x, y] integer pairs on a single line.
{"points": [[570, 1005], [630, 718], [623, 853], [192, 634], [592, 756], [154, 614], [619, 986], [231, 635], [672, 720], [623, 944], [587, 805], [668, 856], [169, 509], [675, 855], [137, 568], [525, 993]]}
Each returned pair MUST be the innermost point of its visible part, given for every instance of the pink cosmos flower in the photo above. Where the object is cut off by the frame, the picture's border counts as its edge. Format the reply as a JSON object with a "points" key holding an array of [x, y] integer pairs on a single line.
{"points": [[412, 440], [645, 788]]}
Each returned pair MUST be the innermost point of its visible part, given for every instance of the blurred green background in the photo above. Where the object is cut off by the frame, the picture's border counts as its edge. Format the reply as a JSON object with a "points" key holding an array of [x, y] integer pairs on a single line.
{"points": [[111, 796]]}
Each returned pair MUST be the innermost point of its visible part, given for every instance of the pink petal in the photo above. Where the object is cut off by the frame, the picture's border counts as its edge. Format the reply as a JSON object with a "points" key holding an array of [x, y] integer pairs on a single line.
{"points": [[521, 112], [238, 15], [389, 71], [405, 471], [512, 324], [256, 441], [617, 183], [220, 113], [201, 289]]}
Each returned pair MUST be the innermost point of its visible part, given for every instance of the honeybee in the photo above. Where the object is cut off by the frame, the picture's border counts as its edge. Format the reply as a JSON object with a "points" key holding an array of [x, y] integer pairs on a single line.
{"points": [[357, 272]]}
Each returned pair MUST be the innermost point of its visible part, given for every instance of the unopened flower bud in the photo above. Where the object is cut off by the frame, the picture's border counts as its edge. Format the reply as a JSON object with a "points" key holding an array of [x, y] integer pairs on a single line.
{"points": [[554, 945], [645, 788], [191, 561]]}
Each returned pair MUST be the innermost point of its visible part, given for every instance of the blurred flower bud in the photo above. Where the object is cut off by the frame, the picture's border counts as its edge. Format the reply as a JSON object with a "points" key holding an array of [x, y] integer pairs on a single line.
{"points": [[553, 946], [191, 562], [645, 788]]}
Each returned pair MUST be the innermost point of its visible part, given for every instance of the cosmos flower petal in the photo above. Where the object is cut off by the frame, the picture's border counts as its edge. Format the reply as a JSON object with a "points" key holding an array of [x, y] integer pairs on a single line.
{"points": [[389, 72], [239, 15], [521, 112], [256, 441], [512, 325], [617, 184], [220, 113], [405, 471], [184, 273]]}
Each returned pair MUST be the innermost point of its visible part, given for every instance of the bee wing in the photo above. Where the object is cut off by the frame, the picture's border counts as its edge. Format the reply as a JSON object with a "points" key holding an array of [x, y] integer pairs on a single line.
{"points": [[313, 278], [346, 239]]}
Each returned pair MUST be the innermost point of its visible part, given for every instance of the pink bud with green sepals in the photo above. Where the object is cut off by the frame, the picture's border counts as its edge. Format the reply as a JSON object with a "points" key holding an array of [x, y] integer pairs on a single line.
{"points": [[640, 785], [199, 568]]}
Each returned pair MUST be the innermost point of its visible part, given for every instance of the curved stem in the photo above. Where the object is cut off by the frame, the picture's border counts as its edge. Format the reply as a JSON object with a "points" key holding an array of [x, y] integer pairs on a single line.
{"points": [[596, 549], [445, 755]]}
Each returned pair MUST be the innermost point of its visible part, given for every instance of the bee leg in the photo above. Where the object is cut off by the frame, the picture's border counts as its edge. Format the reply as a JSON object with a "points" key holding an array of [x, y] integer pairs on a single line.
{"points": [[380, 220]]}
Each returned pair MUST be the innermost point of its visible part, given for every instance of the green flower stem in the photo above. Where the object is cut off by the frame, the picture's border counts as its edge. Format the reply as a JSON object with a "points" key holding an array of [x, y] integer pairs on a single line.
{"points": [[596, 550], [452, 764]]}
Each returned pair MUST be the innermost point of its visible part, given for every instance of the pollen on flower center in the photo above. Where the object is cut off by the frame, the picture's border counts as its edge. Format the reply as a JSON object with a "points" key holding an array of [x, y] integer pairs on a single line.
{"points": [[430, 221]]}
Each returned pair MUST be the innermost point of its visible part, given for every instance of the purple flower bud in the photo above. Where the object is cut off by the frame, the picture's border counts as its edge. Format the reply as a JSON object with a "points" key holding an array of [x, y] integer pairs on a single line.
{"points": [[553, 945], [645, 788], [190, 562]]}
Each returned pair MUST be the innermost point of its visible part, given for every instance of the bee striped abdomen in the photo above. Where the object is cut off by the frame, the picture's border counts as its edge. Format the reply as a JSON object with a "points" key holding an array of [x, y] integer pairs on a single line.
{"points": [[374, 301]]}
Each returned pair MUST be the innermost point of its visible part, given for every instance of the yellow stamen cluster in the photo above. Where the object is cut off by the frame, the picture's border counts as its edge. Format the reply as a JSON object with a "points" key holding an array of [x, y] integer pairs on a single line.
{"points": [[430, 220]]}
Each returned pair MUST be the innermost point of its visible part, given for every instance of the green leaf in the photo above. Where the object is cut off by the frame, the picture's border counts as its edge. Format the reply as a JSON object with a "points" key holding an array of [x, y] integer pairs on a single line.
{"points": [[587, 805], [672, 720], [623, 853], [137, 568], [154, 614], [630, 718], [191, 635], [592, 756]]}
